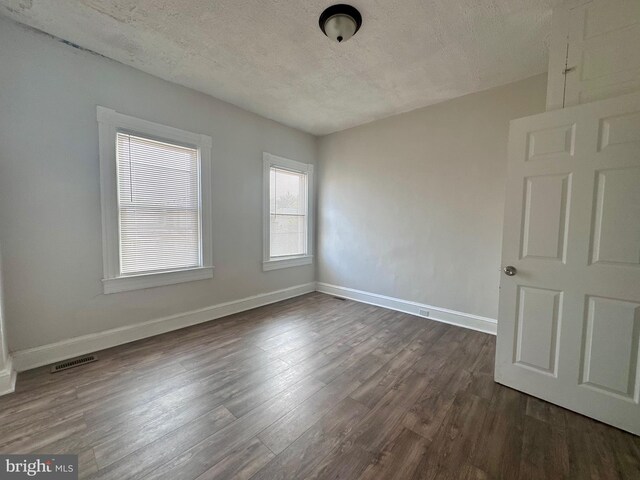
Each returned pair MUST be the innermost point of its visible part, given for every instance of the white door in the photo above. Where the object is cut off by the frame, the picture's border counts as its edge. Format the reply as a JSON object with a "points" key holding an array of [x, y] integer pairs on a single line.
{"points": [[569, 319], [603, 55], [596, 43]]}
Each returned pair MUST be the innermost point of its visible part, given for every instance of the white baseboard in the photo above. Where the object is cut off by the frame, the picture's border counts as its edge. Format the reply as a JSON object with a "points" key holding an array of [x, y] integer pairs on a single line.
{"points": [[7, 378], [461, 319], [55, 352]]}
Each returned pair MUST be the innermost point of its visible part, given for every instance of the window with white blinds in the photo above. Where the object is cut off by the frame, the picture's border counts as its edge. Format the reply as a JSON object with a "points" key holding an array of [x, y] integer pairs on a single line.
{"points": [[155, 187], [287, 223], [158, 205]]}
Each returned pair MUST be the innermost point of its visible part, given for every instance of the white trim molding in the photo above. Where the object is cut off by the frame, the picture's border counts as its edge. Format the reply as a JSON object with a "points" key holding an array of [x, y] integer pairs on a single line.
{"points": [[55, 352], [137, 282], [7, 377], [274, 263], [110, 123], [285, 262], [439, 314]]}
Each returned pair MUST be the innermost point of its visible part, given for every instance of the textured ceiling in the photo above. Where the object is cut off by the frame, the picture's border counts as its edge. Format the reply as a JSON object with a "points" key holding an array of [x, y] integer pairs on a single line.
{"points": [[270, 57]]}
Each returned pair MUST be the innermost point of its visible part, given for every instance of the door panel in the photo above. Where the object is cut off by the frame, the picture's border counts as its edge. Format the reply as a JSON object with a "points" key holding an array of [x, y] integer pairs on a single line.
{"points": [[611, 346], [621, 130], [538, 322], [551, 141], [602, 51], [568, 328], [546, 216], [616, 234]]}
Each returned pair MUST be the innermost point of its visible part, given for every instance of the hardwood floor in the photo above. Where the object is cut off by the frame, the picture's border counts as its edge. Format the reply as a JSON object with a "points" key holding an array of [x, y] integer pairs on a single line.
{"points": [[313, 387]]}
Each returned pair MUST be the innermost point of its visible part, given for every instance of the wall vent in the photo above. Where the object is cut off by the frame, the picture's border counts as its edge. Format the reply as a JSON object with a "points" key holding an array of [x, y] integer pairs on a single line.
{"points": [[75, 362]]}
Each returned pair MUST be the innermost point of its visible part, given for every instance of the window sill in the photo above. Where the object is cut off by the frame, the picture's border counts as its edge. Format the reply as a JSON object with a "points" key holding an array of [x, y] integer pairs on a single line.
{"points": [[139, 282], [286, 262]]}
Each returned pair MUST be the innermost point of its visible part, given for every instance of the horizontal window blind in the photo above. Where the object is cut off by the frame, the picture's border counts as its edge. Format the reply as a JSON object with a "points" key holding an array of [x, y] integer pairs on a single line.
{"points": [[287, 213], [159, 205]]}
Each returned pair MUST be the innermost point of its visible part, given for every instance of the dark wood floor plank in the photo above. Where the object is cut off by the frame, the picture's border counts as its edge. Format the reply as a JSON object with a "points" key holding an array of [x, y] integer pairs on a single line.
{"points": [[246, 400], [199, 458], [388, 377], [26, 409], [164, 449], [241, 463], [339, 350], [287, 429], [116, 446], [322, 321], [339, 343], [33, 441], [311, 387], [170, 408], [482, 385], [626, 452], [340, 364], [546, 412], [190, 385], [322, 337], [499, 457], [544, 451], [429, 412], [387, 416], [341, 464], [437, 355], [463, 472], [378, 427], [31, 425], [309, 450], [86, 464], [591, 451], [399, 459], [456, 438]]}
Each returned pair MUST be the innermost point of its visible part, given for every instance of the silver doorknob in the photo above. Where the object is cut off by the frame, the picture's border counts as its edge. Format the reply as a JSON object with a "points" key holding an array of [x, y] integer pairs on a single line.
{"points": [[510, 270]]}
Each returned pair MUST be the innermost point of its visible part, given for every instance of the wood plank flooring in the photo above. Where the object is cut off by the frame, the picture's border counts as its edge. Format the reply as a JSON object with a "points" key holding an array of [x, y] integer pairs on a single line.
{"points": [[309, 388]]}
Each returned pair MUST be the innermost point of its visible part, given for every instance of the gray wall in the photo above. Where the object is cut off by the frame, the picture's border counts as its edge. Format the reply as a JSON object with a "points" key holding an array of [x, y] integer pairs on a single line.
{"points": [[411, 206], [50, 190]]}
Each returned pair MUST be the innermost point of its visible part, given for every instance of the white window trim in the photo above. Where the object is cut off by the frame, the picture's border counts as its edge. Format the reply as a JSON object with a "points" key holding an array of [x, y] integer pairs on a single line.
{"points": [[109, 123], [268, 263]]}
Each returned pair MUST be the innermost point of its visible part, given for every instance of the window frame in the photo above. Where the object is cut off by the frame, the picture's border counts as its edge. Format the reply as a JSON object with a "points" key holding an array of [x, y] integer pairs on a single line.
{"points": [[273, 263], [110, 123]]}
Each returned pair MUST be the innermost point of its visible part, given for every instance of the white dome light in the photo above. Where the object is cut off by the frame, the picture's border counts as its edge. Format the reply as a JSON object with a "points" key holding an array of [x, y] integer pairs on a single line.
{"points": [[340, 22]]}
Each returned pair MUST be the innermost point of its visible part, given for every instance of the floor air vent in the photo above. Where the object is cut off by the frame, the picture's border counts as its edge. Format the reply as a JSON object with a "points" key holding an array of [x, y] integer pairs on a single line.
{"points": [[75, 362]]}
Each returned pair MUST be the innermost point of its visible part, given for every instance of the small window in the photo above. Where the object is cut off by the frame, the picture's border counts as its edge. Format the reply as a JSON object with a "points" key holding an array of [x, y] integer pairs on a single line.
{"points": [[287, 223], [155, 192]]}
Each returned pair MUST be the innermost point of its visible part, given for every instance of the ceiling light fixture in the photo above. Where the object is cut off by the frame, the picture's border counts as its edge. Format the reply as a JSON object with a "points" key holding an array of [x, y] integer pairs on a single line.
{"points": [[340, 22]]}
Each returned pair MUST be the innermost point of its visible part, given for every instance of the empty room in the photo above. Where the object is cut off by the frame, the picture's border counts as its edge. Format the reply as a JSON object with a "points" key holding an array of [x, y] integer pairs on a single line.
{"points": [[283, 239]]}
